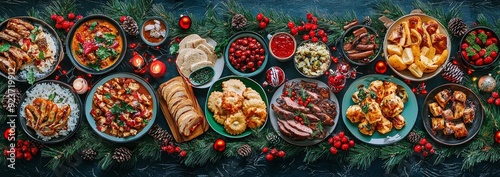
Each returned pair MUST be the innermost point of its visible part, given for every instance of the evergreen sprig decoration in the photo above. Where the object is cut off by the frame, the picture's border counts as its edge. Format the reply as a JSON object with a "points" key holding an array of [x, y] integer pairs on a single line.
{"points": [[138, 9]]}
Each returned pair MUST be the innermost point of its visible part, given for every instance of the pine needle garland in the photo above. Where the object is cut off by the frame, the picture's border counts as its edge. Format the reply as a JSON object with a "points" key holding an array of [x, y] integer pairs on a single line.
{"points": [[363, 155], [394, 154]]}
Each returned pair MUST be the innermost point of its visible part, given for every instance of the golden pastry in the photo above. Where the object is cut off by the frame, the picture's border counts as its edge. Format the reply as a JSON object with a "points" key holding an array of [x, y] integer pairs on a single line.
{"points": [[384, 126], [256, 117], [233, 85], [435, 109], [398, 122], [231, 102], [365, 128], [468, 115], [437, 123], [355, 114], [215, 102], [392, 106], [236, 123]]}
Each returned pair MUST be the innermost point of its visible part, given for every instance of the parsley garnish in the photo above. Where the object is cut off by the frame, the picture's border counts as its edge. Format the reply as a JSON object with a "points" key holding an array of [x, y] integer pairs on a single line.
{"points": [[373, 95], [107, 95], [104, 53], [491, 48], [145, 121], [41, 55], [470, 51], [4, 47], [95, 66], [471, 39], [33, 34], [122, 107], [60, 100], [361, 93], [52, 96], [128, 91], [93, 25], [364, 108], [31, 76], [121, 124], [483, 37]]}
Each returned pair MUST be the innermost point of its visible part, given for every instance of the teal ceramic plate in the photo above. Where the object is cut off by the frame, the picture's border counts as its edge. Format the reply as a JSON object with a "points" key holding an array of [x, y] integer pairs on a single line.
{"points": [[472, 101], [90, 118], [409, 113], [274, 117], [217, 86]]}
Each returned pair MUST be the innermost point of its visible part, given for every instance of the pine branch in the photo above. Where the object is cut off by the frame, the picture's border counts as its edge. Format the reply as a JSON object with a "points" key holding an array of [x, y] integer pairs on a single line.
{"points": [[148, 149], [138, 9], [394, 154], [389, 9], [481, 20], [362, 155], [34, 12], [316, 152], [200, 151]]}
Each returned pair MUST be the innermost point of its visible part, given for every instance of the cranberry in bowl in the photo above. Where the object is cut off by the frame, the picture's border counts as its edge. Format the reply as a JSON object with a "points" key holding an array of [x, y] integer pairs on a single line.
{"points": [[479, 48], [282, 46], [246, 54]]}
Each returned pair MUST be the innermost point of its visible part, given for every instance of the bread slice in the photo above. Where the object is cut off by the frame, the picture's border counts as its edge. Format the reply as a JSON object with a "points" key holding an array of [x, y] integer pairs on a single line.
{"points": [[185, 43], [188, 121], [200, 65], [210, 52], [195, 43], [181, 56], [193, 56]]}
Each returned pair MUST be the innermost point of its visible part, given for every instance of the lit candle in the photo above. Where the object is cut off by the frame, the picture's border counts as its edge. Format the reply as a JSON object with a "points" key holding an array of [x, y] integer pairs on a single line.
{"points": [[157, 69], [138, 64], [80, 85]]}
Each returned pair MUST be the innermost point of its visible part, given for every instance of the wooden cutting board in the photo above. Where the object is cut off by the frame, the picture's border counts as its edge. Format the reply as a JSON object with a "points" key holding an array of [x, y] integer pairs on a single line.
{"points": [[179, 137]]}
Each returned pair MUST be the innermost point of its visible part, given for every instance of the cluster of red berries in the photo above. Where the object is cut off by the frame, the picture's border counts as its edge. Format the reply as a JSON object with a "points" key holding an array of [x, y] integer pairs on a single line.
{"points": [[263, 20], [23, 149], [340, 141], [65, 24], [494, 99], [310, 29], [271, 154], [170, 149], [420, 89], [424, 147]]}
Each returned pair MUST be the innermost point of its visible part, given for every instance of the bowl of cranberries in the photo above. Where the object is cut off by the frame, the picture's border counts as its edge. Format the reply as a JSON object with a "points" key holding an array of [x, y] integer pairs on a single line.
{"points": [[479, 48], [246, 54]]}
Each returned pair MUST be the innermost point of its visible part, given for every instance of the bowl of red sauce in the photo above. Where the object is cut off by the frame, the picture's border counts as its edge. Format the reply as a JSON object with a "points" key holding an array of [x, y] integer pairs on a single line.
{"points": [[282, 46]]}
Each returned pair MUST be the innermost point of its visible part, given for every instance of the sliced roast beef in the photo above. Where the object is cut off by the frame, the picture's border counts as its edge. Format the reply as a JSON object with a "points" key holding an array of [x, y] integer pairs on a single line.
{"points": [[297, 133], [325, 119], [283, 130], [300, 127], [291, 105], [313, 118], [285, 114]]}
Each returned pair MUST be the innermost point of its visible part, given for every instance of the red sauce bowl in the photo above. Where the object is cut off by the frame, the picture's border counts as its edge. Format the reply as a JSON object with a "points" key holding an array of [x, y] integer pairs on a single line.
{"points": [[282, 46]]}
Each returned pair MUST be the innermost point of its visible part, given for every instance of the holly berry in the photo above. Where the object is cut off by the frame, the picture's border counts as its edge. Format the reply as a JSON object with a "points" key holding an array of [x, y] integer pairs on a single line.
{"points": [[164, 148], [345, 147], [122, 19], [58, 26], [53, 17], [432, 151], [65, 24], [494, 94], [269, 157], [491, 100], [24, 148], [337, 144], [425, 153], [262, 25], [71, 16], [312, 33], [78, 17], [274, 151], [6, 152], [309, 16], [20, 143], [423, 141], [333, 150], [300, 28], [19, 155], [294, 31], [330, 141], [423, 92], [324, 39], [344, 139], [59, 19], [170, 149], [266, 20], [281, 154], [305, 37], [428, 146], [183, 153], [321, 33], [291, 24], [351, 143], [417, 148], [314, 39], [341, 134], [497, 101], [177, 149], [265, 150], [28, 156], [260, 17]]}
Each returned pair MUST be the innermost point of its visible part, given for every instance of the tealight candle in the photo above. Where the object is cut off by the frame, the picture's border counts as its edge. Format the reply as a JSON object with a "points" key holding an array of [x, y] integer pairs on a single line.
{"points": [[157, 69], [138, 64], [80, 85]]}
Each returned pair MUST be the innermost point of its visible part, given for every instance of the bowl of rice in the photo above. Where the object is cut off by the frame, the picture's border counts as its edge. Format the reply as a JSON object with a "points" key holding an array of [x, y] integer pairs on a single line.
{"points": [[50, 111]]}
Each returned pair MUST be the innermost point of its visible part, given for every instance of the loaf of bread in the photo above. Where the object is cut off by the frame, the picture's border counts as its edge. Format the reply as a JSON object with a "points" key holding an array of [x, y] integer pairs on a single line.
{"points": [[181, 108]]}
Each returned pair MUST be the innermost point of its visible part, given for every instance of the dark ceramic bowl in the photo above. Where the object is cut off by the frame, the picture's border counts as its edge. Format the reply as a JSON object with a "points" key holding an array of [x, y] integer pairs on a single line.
{"points": [[470, 62], [349, 33]]}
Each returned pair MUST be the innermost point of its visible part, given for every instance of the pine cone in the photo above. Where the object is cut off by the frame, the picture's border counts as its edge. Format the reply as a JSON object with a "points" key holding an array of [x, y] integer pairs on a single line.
{"points": [[452, 73], [13, 94], [238, 21], [89, 154], [122, 154], [273, 138], [130, 26], [367, 21], [457, 27], [414, 137], [245, 150], [162, 136]]}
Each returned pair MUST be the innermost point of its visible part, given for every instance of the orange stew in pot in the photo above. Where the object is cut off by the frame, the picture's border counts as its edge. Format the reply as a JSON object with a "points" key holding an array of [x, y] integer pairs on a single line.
{"points": [[97, 44]]}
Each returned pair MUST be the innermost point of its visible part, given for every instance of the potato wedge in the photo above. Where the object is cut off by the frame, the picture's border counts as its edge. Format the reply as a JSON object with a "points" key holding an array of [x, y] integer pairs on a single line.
{"points": [[431, 53], [394, 49], [407, 56], [415, 70], [397, 63], [442, 58]]}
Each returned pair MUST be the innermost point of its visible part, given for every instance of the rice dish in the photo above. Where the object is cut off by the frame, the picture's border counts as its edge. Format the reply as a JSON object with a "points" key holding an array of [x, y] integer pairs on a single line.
{"points": [[45, 66], [61, 96]]}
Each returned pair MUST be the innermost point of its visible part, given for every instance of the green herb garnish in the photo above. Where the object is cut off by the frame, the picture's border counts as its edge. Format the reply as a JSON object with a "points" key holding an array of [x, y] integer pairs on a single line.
{"points": [[121, 124], [476, 47], [122, 107], [107, 95], [364, 108], [33, 34], [470, 51], [60, 100], [174, 48], [31, 76], [491, 48], [4, 47], [52, 96], [145, 121], [102, 53], [128, 91], [361, 93], [483, 37], [109, 38], [95, 66], [93, 25], [41, 55], [471, 38], [373, 95]]}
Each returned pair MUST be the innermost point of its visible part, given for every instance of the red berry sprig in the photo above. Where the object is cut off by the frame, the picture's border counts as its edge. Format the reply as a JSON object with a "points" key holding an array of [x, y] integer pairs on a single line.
{"points": [[424, 147], [420, 89], [22, 150], [170, 149], [309, 30], [340, 141], [494, 99], [273, 153], [65, 24], [263, 20]]}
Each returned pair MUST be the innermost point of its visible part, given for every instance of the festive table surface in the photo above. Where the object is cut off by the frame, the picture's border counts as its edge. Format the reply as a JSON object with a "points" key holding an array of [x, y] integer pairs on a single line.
{"points": [[170, 165]]}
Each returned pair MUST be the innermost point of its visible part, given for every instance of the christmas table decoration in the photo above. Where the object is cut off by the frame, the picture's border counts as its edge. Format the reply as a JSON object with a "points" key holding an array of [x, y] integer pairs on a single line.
{"points": [[479, 48]]}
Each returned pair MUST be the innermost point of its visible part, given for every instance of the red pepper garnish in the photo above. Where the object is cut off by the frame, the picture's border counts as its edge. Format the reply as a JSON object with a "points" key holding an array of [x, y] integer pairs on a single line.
{"points": [[27, 42], [114, 45], [89, 47], [79, 38]]}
